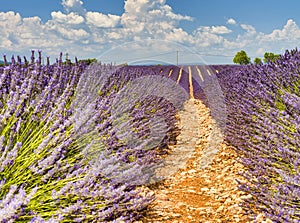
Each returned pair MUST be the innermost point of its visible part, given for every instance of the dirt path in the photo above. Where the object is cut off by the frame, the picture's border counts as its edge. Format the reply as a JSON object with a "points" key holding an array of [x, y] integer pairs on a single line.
{"points": [[194, 193]]}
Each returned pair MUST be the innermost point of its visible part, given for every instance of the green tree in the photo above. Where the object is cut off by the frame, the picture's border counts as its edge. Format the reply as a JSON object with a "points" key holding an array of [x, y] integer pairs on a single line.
{"points": [[241, 58], [257, 60], [270, 57], [89, 61]]}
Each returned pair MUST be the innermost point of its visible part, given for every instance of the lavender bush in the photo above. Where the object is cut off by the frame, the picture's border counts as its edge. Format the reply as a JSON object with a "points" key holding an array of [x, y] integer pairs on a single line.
{"points": [[263, 124], [63, 155]]}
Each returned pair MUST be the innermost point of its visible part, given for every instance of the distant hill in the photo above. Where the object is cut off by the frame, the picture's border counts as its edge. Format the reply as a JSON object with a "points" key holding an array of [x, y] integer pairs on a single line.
{"points": [[148, 62], [157, 62], [2, 63]]}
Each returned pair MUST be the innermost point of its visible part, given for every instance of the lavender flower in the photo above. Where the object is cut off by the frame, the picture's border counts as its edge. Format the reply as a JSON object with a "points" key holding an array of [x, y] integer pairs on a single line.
{"points": [[263, 126]]}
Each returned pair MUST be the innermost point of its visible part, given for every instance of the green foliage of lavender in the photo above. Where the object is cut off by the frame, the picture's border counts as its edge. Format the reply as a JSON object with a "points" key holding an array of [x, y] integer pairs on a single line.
{"points": [[61, 157], [263, 105]]}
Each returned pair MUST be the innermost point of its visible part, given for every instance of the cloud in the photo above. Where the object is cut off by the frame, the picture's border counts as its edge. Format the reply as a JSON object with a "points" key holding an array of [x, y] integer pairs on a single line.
{"points": [[71, 18], [73, 6], [167, 10], [249, 29], [22, 34], [101, 20], [214, 29], [178, 35], [231, 21], [204, 37], [12, 18], [289, 32], [150, 16], [220, 30], [260, 51]]}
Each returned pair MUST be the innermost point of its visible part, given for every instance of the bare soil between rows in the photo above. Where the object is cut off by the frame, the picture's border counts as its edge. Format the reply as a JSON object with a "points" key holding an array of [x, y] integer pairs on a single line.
{"points": [[197, 194]]}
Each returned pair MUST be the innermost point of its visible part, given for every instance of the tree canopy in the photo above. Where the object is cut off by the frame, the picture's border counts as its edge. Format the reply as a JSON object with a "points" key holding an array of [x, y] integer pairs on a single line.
{"points": [[241, 58], [89, 61], [257, 60], [270, 57]]}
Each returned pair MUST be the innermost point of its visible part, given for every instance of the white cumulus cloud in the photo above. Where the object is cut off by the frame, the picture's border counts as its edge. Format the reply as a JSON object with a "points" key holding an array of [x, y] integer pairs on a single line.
{"points": [[73, 5], [231, 21], [214, 29], [150, 16], [220, 30], [289, 32], [101, 20], [249, 29], [71, 18]]}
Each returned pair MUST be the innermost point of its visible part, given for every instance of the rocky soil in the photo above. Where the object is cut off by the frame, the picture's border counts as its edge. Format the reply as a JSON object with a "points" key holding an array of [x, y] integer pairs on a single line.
{"points": [[204, 189]]}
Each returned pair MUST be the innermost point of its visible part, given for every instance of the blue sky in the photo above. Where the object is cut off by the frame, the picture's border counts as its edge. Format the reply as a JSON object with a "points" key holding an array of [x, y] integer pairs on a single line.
{"points": [[142, 30]]}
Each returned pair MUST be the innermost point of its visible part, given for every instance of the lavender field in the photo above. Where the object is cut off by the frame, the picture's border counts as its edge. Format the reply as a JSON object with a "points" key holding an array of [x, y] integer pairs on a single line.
{"points": [[263, 124], [78, 141]]}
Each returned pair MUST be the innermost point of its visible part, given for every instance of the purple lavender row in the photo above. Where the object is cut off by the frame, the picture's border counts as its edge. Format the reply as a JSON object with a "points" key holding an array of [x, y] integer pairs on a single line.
{"points": [[44, 174], [263, 124], [142, 110]]}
